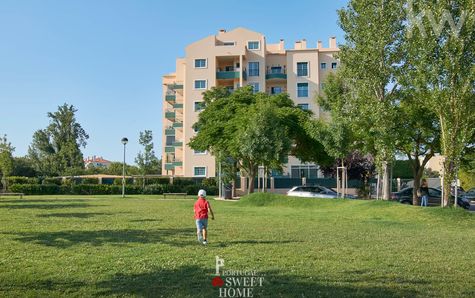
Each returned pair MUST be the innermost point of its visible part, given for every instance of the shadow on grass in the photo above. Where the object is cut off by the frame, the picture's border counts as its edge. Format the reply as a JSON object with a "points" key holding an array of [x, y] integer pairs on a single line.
{"points": [[145, 220], [230, 243], [23, 201], [74, 215], [193, 281], [66, 239], [48, 206]]}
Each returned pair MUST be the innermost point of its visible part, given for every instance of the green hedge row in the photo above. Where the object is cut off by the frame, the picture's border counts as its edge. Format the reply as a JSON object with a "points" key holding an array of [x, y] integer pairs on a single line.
{"points": [[104, 189]]}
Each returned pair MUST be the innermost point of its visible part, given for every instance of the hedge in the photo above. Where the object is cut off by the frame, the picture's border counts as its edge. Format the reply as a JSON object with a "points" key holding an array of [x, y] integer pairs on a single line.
{"points": [[105, 189], [22, 180]]}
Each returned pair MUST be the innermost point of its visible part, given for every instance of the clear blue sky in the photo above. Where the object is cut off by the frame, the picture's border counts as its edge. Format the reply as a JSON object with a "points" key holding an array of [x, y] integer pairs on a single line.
{"points": [[107, 57]]}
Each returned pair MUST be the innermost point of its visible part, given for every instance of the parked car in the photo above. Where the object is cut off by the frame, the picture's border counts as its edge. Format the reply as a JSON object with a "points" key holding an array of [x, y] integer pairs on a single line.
{"points": [[316, 191], [404, 196]]}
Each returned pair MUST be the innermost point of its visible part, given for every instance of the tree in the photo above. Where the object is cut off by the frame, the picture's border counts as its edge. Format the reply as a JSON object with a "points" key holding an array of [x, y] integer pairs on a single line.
{"points": [[23, 166], [6, 159], [370, 59], [116, 167], [232, 129], [146, 160], [442, 59], [56, 149]]}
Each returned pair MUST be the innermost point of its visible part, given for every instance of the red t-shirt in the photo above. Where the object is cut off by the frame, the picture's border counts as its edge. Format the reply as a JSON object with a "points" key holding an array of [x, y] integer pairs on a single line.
{"points": [[201, 209]]}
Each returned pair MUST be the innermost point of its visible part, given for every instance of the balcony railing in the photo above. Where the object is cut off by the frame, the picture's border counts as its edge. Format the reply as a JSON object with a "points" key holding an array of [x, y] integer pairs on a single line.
{"points": [[170, 115], [175, 86], [276, 74], [178, 124], [177, 144], [170, 132], [170, 98], [178, 106], [227, 75], [169, 149]]}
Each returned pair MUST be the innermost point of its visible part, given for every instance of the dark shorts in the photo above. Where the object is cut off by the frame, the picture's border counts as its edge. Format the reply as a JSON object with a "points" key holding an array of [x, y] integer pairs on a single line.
{"points": [[202, 224]]}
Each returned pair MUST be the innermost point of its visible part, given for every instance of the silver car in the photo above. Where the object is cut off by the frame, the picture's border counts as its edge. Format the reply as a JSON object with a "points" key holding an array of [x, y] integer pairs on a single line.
{"points": [[315, 192]]}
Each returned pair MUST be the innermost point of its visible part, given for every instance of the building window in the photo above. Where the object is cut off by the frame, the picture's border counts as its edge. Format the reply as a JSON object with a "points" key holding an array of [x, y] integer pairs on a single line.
{"points": [[200, 84], [199, 106], [253, 45], [302, 89], [199, 152], [275, 90], [323, 65], [255, 87], [199, 171], [303, 106], [302, 69], [170, 140], [196, 129], [276, 69], [307, 171], [334, 65], [253, 69], [200, 63], [229, 43]]}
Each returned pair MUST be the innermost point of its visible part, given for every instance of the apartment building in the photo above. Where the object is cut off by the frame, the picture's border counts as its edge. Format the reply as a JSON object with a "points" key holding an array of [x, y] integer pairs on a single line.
{"points": [[232, 59]]}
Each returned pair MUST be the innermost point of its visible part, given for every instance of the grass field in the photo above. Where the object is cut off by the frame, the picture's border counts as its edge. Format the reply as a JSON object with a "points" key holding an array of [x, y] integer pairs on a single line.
{"points": [[146, 246]]}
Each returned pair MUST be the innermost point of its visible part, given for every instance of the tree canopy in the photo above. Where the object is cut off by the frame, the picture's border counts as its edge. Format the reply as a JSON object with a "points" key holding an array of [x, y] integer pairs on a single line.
{"points": [[55, 150]]}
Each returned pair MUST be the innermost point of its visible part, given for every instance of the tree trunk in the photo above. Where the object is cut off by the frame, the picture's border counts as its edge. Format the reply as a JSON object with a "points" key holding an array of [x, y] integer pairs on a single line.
{"points": [[386, 182], [448, 177], [250, 188]]}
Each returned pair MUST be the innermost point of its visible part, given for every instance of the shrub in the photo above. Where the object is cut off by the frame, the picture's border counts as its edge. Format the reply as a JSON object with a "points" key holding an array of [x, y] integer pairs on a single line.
{"points": [[209, 182], [90, 181], [36, 189], [154, 189], [50, 180], [22, 180]]}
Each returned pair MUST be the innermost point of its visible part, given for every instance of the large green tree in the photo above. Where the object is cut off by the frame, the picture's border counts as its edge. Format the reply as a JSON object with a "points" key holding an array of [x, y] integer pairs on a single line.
{"points": [[6, 159], [370, 58], [147, 161], [441, 51], [55, 150], [232, 127]]}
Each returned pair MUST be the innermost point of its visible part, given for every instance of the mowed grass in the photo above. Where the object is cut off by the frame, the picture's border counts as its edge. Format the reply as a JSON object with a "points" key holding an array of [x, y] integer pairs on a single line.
{"points": [[146, 246]]}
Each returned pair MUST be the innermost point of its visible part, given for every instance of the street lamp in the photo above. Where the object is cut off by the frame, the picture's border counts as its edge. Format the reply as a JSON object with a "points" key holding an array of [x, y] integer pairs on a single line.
{"points": [[124, 141]]}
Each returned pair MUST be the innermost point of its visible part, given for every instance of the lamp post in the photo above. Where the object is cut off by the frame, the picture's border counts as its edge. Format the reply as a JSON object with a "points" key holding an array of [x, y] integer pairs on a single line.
{"points": [[124, 141]]}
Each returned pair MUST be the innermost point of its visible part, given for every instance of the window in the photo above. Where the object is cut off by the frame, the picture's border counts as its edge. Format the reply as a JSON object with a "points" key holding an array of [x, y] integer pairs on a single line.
{"points": [[198, 152], [303, 106], [199, 106], [307, 171], [255, 87], [334, 64], [253, 45], [253, 69], [199, 171], [229, 43], [200, 84], [275, 90], [323, 65], [196, 129], [276, 69], [302, 89], [302, 69], [200, 63], [170, 140], [229, 68]]}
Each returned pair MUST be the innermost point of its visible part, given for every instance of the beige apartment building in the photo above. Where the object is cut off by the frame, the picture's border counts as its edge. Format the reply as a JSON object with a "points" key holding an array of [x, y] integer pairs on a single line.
{"points": [[232, 59]]}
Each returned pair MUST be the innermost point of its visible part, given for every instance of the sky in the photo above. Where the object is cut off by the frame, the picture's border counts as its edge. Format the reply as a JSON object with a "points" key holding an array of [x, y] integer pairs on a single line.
{"points": [[107, 57]]}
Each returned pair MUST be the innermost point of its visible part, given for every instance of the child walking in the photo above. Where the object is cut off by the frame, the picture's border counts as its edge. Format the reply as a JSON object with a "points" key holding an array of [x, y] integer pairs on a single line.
{"points": [[201, 216]]}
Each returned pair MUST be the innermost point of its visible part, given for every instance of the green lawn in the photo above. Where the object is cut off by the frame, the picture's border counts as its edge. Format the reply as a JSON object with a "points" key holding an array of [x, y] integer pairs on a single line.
{"points": [[145, 246]]}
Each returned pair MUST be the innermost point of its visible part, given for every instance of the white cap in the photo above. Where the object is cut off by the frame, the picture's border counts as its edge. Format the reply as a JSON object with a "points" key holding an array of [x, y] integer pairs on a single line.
{"points": [[202, 193]]}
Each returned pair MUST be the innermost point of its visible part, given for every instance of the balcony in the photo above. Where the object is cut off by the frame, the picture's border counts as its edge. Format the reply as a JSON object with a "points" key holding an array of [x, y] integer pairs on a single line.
{"points": [[178, 106], [170, 98], [169, 149], [170, 115], [177, 144], [276, 73], [171, 165], [227, 75], [177, 124], [175, 86], [170, 132]]}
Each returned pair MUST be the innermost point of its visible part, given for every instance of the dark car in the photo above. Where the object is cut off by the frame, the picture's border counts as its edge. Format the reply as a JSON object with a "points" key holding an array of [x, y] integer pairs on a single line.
{"points": [[404, 196]]}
